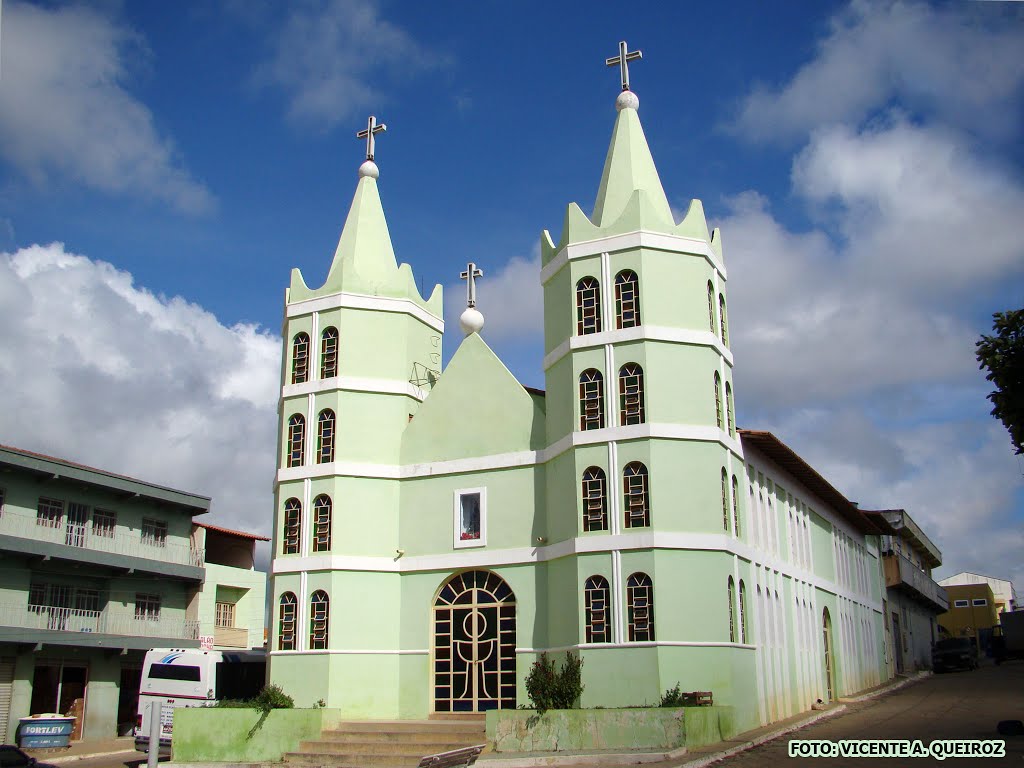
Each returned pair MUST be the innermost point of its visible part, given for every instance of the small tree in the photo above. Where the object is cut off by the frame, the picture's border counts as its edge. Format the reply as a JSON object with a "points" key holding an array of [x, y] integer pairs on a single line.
{"points": [[550, 688], [1003, 355]]}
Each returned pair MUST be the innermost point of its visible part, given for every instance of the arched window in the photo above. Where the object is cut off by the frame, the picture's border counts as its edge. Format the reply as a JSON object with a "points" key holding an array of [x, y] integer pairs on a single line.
{"points": [[634, 491], [595, 500], [296, 440], [319, 620], [631, 394], [732, 611], [729, 409], [329, 353], [735, 506], [597, 597], [725, 500], [718, 400], [322, 523], [292, 526], [588, 306], [743, 612], [286, 622], [325, 437], [721, 319], [627, 299], [591, 399], [711, 308], [300, 358], [640, 607]]}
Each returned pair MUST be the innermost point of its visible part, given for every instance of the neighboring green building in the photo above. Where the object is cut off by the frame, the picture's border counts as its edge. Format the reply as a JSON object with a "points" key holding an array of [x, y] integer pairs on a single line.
{"points": [[434, 533]]}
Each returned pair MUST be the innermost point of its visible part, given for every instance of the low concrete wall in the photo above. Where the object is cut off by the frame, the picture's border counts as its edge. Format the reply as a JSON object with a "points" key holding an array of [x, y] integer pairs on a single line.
{"points": [[214, 735], [653, 728]]}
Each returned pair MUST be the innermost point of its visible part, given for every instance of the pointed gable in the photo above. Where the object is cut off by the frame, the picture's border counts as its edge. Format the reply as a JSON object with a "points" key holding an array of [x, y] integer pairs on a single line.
{"points": [[477, 408]]}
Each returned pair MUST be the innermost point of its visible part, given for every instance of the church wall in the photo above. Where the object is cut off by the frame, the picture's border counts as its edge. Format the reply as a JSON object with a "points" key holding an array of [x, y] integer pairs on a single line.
{"points": [[673, 289], [562, 412], [686, 485], [560, 301], [357, 525], [679, 383], [821, 543]]}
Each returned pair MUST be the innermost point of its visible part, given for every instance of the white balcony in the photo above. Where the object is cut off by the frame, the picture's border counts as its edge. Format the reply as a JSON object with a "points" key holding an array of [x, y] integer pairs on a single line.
{"points": [[57, 619], [116, 542]]}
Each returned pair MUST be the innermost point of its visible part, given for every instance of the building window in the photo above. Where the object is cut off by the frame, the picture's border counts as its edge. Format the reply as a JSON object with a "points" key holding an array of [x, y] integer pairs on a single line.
{"points": [[470, 517], [296, 440], [319, 619], [743, 612], [292, 526], [322, 523], [595, 501], [627, 299], [147, 607], [722, 321], [961, 604], [300, 358], [640, 607], [329, 353], [104, 523], [154, 532], [725, 500], [588, 306], [3, 496], [732, 611], [711, 308], [286, 623], [718, 400], [729, 409], [224, 615], [325, 437], [979, 601], [634, 490], [50, 513], [596, 598], [591, 399], [735, 506], [631, 394], [87, 601]]}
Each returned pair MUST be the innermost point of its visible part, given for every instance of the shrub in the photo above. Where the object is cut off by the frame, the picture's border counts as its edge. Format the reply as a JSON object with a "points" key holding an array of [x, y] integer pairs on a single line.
{"points": [[673, 697], [272, 697], [551, 688]]}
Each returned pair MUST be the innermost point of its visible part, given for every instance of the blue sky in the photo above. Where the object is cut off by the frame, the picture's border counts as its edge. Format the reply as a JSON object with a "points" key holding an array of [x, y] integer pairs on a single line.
{"points": [[164, 166]]}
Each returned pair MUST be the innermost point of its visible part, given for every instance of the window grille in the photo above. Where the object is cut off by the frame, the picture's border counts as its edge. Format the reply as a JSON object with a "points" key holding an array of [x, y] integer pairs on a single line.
{"points": [[598, 611], [729, 409], [300, 358], [224, 615], [292, 526], [721, 319], [36, 597], [296, 440], [595, 502], [329, 353], [50, 513], [147, 607], [154, 532], [319, 618], [591, 400], [718, 400], [627, 299], [732, 611], [743, 612], [322, 523], [634, 488], [735, 506], [104, 523], [640, 607], [711, 308], [588, 306], [725, 500], [631, 394], [325, 437], [286, 623], [87, 600]]}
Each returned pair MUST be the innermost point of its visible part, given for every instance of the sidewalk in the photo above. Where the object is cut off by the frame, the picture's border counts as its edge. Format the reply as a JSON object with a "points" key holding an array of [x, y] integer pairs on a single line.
{"points": [[80, 750]]}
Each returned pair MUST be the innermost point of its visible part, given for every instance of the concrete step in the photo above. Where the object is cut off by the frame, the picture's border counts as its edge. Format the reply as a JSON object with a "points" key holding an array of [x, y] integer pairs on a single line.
{"points": [[405, 726], [352, 760], [390, 737], [467, 716], [382, 747]]}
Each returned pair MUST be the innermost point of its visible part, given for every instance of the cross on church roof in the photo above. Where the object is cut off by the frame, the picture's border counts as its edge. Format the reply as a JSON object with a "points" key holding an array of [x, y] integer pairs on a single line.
{"points": [[625, 55], [368, 134], [469, 275]]}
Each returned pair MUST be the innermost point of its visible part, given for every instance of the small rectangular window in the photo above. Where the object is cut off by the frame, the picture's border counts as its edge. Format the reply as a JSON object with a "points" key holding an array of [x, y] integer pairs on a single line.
{"points": [[104, 523], [147, 607], [979, 601], [50, 513], [185, 673], [961, 604], [224, 615], [470, 517], [154, 532]]}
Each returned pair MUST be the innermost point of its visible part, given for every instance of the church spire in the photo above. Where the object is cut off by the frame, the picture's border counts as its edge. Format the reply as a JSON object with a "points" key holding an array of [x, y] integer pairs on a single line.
{"points": [[629, 166]]}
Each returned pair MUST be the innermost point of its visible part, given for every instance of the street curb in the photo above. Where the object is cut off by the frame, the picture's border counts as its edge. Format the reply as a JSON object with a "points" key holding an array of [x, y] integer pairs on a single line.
{"points": [[918, 677], [88, 756]]}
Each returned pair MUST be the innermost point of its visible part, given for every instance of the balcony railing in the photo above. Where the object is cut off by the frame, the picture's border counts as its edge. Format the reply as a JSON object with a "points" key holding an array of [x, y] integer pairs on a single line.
{"points": [[59, 619], [231, 637], [900, 572], [61, 531]]}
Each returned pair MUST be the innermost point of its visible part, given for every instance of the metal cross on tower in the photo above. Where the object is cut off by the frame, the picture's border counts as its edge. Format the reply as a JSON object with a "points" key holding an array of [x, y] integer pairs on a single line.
{"points": [[470, 275], [368, 133], [624, 56]]}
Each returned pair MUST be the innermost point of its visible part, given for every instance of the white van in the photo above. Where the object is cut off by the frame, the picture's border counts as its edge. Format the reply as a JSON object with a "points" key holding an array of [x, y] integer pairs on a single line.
{"points": [[189, 677]]}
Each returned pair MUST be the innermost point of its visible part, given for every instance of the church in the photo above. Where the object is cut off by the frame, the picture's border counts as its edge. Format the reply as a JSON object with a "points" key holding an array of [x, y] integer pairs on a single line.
{"points": [[421, 567]]}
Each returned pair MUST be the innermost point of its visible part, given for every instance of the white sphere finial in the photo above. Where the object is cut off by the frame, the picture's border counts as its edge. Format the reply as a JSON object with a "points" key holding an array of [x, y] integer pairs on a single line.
{"points": [[626, 100], [369, 168], [471, 321]]}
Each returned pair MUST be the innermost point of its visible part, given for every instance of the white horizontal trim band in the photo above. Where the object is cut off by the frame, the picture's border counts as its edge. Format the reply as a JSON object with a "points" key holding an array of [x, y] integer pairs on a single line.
{"points": [[358, 301], [354, 652], [639, 333], [640, 644], [355, 384]]}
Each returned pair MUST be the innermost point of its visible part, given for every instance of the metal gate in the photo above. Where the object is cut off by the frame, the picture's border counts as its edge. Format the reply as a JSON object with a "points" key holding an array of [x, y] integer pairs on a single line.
{"points": [[6, 685]]}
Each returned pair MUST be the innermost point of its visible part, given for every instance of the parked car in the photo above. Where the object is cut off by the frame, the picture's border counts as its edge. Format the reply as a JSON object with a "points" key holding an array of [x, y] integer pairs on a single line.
{"points": [[954, 653], [12, 757]]}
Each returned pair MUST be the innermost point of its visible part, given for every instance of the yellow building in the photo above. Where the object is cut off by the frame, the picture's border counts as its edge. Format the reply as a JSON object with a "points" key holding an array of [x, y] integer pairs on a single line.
{"points": [[972, 613]]}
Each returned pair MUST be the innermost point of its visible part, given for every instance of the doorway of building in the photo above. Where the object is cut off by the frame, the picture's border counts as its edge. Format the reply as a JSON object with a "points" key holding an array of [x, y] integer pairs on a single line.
{"points": [[60, 688], [826, 633], [128, 698], [897, 642], [474, 655]]}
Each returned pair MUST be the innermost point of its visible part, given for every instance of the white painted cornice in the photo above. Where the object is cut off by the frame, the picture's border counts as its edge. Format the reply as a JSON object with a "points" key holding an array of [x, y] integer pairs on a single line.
{"points": [[357, 301], [638, 333]]}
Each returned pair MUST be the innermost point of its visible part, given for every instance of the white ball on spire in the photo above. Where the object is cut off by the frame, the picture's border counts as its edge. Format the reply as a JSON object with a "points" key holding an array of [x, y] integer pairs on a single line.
{"points": [[471, 321], [369, 168], [627, 100]]}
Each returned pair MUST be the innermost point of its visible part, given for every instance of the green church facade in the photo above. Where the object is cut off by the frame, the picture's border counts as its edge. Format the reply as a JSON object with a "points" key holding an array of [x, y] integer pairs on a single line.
{"points": [[434, 533]]}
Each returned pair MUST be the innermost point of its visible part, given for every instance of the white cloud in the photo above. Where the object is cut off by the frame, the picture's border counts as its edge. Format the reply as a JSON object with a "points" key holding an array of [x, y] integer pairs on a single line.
{"points": [[100, 371], [510, 299], [961, 62], [330, 58], [65, 110]]}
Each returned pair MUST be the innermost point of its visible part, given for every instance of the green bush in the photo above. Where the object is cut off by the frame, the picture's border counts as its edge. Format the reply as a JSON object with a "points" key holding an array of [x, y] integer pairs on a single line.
{"points": [[551, 688], [272, 697], [673, 697]]}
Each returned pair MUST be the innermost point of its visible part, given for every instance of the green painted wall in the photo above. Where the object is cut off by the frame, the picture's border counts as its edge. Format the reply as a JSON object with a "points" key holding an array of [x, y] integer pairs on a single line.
{"points": [[213, 735]]}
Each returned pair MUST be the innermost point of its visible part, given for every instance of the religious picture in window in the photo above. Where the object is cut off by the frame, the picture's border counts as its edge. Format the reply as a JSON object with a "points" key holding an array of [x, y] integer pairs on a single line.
{"points": [[470, 518]]}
